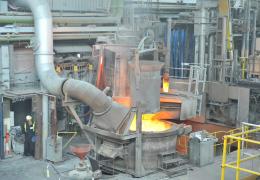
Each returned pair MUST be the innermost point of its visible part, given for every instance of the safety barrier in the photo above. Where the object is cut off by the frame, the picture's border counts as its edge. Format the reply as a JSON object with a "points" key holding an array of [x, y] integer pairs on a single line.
{"points": [[221, 134], [182, 144], [241, 139]]}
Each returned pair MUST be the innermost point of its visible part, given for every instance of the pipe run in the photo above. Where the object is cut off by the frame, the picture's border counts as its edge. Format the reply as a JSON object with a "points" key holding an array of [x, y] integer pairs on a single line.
{"points": [[102, 105], [60, 20]]}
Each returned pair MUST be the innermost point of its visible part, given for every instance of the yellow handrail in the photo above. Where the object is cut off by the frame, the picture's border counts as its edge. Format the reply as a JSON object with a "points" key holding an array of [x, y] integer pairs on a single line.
{"points": [[236, 164], [232, 131]]}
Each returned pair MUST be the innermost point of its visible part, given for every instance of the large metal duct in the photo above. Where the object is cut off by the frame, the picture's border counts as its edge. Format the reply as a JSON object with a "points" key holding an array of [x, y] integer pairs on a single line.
{"points": [[107, 114]]}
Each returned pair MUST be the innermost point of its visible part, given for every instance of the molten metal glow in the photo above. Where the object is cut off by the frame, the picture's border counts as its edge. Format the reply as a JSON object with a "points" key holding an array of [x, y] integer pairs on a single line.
{"points": [[149, 124], [166, 86], [101, 60], [166, 82], [125, 101]]}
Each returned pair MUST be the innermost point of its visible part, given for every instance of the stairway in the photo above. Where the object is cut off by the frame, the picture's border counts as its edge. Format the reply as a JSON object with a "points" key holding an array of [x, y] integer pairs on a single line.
{"points": [[172, 164]]}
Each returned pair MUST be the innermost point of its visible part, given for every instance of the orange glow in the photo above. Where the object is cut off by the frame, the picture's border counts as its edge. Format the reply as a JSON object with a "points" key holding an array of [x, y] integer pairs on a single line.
{"points": [[101, 60], [125, 101], [167, 115], [150, 124], [170, 99], [100, 83], [166, 82], [166, 86]]}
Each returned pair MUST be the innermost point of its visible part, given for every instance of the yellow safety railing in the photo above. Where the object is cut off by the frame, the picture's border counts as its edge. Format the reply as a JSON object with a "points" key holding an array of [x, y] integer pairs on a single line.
{"points": [[218, 134], [240, 138]]}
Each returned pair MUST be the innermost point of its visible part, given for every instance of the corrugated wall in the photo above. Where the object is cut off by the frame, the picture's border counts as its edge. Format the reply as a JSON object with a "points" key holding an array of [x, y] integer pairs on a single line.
{"points": [[80, 5]]}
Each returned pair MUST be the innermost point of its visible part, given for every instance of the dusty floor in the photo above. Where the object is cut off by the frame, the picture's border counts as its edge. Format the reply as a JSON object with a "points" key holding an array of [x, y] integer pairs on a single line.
{"points": [[26, 168]]}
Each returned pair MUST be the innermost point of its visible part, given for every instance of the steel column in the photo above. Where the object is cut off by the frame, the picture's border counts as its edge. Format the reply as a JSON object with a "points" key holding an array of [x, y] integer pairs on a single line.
{"points": [[138, 142], [196, 55], [168, 55], [5, 66], [253, 44], [211, 55], [45, 124], [1, 129], [202, 37]]}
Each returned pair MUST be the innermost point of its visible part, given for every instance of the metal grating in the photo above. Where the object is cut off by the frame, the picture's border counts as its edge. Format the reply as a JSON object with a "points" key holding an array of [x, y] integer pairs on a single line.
{"points": [[81, 5]]}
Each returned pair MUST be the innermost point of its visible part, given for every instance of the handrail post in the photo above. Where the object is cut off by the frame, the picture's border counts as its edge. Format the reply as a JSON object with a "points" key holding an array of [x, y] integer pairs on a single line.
{"points": [[243, 136], [238, 159], [223, 166], [247, 135]]}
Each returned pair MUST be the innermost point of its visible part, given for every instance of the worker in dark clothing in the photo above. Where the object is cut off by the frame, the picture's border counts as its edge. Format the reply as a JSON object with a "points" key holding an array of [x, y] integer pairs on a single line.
{"points": [[29, 131]]}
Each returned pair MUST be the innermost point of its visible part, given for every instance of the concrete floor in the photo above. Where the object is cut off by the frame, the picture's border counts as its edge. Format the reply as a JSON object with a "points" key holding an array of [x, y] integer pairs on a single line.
{"points": [[26, 168]]}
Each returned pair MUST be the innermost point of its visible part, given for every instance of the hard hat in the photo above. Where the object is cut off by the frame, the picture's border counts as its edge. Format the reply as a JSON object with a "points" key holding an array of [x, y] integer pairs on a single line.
{"points": [[28, 117]]}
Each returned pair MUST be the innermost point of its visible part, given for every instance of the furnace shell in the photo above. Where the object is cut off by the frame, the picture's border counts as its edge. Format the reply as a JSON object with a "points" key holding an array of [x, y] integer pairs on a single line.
{"points": [[153, 144], [150, 85]]}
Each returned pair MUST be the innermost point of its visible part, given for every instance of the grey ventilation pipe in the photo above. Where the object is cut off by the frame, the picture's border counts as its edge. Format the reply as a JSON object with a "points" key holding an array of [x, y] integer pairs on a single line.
{"points": [[107, 114]]}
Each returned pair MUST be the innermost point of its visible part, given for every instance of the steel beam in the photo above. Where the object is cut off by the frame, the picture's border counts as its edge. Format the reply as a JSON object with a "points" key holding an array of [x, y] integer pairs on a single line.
{"points": [[61, 20], [86, 29], [67, 36]]}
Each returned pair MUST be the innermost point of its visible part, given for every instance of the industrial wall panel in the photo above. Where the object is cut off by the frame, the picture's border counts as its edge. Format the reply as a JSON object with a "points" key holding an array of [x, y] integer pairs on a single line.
{"points": [[23, 67], [218, 92], [5, 54], [257, 43], [243, 105], [80, 5], [233, 92]]}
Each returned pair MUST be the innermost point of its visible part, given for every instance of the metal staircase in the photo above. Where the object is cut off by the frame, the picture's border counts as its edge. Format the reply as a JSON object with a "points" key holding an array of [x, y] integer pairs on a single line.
{"points": [[197, 80], [172, 164]]}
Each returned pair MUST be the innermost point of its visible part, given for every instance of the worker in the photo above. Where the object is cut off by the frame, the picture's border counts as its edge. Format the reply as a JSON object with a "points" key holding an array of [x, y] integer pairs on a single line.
{"points": [[29, 131]]}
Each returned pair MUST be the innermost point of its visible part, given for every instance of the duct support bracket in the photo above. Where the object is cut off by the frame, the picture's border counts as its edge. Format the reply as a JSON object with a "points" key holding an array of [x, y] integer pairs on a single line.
{"points": [[81, 125]]}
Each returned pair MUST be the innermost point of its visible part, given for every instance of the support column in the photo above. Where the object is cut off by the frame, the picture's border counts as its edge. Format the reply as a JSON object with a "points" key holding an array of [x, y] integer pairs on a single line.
{"points": [[1, 128], [45, 124], [37, 116], [53, 118], [246, 33], [243, 105], [168, 55], [196, 55], [201, 25], [138, 143], [253, 44], [211, 56], [248, 8], [5, 66], [202, 36]]}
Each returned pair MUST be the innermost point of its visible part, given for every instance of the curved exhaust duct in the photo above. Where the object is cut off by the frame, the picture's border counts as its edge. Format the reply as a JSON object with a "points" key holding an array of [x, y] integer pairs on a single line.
{"points": [[107, 114]]}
